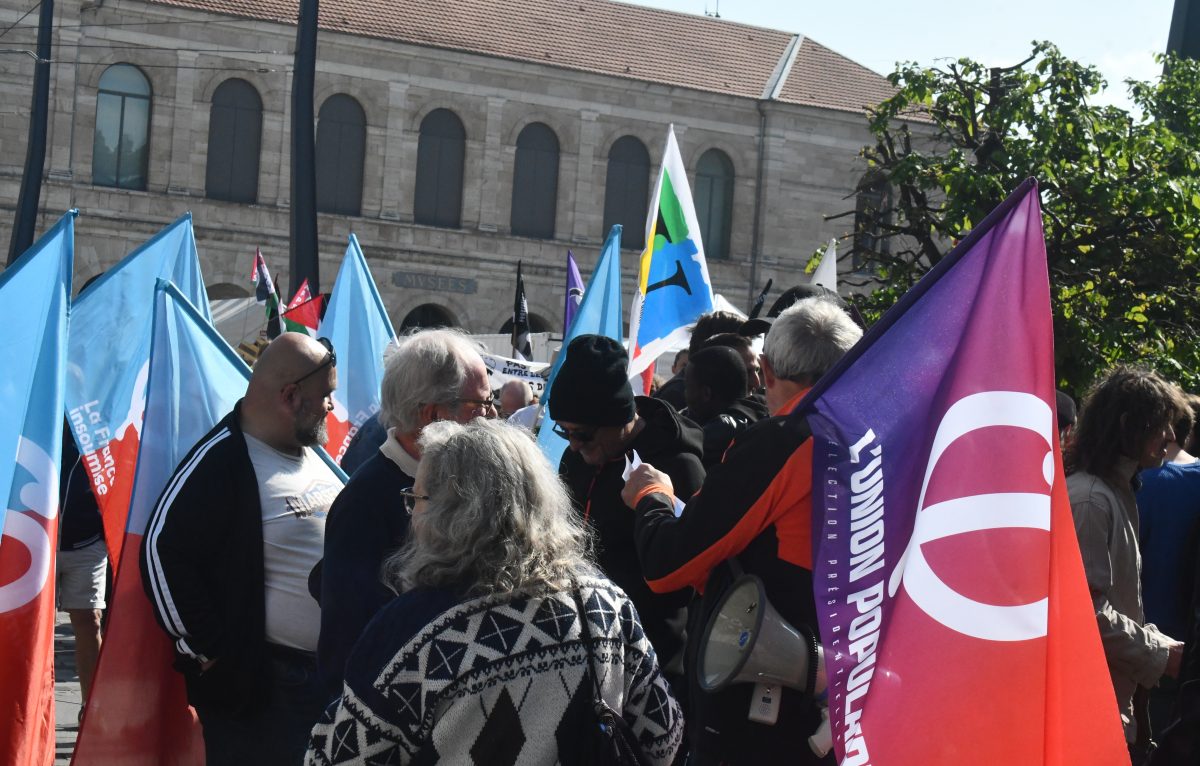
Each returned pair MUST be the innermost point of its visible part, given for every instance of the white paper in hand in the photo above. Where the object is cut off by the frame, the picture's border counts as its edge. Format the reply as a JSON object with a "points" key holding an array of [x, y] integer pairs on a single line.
{"points": [[630, 465]]}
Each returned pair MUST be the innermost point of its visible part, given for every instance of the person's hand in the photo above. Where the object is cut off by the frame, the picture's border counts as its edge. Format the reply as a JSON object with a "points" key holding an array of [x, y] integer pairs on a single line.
{"points": [[1174, 660], [204, 666], [643, 476]]}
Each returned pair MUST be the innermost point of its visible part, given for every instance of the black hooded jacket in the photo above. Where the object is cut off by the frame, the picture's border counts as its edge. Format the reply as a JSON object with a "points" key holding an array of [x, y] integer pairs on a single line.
{"points": [[731, 421], [673, 444]]}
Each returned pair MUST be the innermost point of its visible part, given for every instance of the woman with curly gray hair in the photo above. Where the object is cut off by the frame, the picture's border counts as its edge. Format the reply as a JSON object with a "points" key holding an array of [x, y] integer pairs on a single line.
{"points": [[484, 657]]}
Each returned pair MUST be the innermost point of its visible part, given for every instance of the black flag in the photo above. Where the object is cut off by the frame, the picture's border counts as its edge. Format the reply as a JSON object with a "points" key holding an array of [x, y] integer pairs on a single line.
{"points": [[760, 300], [520, 321]]}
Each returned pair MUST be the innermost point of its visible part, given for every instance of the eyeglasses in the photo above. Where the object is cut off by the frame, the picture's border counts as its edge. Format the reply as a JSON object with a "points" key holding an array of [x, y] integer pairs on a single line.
{"points": [[578, 434], [410, 500], [487, 404], [330, 360]]}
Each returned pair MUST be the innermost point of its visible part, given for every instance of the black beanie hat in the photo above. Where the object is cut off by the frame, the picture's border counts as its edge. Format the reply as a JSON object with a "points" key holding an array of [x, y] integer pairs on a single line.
{"points": [[592, 386]]}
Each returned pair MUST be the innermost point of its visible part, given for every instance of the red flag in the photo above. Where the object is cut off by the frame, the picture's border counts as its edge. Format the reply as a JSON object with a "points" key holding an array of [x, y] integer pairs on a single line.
{"points": [[303, 295], [304, 317]]}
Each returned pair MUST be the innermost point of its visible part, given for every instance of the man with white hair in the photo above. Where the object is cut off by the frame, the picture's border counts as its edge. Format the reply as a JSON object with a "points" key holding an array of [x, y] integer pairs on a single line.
{"points": [[752, 515], [432, 375]]}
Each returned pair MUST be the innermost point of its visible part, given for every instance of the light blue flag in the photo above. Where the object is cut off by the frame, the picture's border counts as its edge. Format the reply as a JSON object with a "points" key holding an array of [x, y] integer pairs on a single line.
{"points": [[34, 298], [360, 330], [35, 293], [193, 381], [108, 361], [599, 314]]}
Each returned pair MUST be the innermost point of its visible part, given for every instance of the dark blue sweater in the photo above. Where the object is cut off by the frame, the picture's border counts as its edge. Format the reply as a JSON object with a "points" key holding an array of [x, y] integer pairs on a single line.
{"points": [[367, 523]]}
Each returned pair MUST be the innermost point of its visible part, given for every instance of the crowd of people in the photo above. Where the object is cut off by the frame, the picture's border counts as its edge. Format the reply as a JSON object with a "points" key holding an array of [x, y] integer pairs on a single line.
{"points": [[461, 600]]}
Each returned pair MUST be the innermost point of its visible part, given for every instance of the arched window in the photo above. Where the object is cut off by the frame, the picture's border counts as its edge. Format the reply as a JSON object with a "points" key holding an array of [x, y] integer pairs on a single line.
{"points": [[428, 315], [225, 291], [440, 151], [537, 323], [341, 141], [627, 190], [714, 202], [535, 182], [872, 211], [234, 135], [121, 146]]}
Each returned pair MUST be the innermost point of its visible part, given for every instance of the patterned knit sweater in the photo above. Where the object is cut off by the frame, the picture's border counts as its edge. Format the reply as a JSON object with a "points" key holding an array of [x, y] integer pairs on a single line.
{"points": [[497, 680]]}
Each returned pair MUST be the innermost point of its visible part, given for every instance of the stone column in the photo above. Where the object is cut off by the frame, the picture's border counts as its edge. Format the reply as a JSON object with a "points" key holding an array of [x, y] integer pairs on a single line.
{"points": [[493, 168], [63, 108], [284, 192], [588, 208], [180, 180], [391, 198]]}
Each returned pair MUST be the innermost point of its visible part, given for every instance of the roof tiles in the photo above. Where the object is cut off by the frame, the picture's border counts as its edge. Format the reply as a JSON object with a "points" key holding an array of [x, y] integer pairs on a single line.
{"points": [[600, 36]]}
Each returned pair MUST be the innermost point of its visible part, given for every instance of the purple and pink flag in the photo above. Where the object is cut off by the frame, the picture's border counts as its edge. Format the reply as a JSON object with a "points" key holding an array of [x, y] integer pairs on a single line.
{"points": [[956, 621], [574, 293]]}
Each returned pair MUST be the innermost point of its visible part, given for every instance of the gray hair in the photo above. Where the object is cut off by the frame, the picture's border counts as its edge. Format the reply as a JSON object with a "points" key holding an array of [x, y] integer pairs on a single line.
{"points": [[808, 338], [499, 519], [427, 367]]}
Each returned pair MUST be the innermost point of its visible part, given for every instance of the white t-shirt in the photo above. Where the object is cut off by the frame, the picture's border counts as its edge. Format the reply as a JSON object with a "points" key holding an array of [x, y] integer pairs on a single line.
{"points": [[526, 417], [296, 492]]}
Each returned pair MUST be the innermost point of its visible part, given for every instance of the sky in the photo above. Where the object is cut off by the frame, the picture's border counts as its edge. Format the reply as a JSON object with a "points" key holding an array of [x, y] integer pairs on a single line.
{"points": [[1118, 37]]}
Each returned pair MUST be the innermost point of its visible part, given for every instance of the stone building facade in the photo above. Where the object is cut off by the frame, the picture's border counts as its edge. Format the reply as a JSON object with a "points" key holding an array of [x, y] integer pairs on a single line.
{"points": [[784, 114]]}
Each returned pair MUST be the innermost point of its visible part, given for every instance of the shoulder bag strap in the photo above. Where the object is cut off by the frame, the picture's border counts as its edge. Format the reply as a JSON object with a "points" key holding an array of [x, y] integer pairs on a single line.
{"points": [[586, 631]]}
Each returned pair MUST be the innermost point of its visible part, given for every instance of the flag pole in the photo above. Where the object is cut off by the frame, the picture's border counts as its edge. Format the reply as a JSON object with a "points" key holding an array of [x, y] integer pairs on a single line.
{"points": [[35, 151], [304, 262]]}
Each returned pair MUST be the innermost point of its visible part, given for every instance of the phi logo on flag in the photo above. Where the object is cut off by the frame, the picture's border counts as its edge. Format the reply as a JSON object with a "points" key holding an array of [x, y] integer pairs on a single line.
{"points": [[971, 513], [38, 494]]}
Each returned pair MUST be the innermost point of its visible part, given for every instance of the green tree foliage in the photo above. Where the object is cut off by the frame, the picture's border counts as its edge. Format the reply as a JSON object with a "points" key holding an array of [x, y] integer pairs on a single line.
{"points": [[1120, 196]]}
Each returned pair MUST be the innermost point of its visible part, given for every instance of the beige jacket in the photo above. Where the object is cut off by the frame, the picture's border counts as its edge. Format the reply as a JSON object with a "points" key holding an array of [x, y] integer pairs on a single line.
{"points": [[1106, 522]]}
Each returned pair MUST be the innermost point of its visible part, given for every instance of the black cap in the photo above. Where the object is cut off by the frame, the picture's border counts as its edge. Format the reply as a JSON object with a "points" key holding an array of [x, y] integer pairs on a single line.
{"points": [[752, 328], [799, 293], [592, 386]]}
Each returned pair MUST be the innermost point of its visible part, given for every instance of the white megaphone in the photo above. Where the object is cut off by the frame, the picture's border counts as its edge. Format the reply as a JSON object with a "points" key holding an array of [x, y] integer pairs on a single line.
{"points": [[746, 641]]}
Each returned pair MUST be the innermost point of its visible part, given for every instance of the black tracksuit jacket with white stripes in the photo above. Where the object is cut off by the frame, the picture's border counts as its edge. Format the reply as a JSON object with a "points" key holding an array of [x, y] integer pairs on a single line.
{"points": [[202, 568]]}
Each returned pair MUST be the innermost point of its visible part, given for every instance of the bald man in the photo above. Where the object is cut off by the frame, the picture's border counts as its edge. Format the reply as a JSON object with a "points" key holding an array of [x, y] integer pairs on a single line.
{"points": [[227, 554]]}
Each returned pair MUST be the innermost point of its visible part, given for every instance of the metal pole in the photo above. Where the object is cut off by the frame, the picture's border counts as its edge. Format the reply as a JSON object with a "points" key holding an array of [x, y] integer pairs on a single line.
{"points": [[1184, 37], [25, 224], [304, 263]]}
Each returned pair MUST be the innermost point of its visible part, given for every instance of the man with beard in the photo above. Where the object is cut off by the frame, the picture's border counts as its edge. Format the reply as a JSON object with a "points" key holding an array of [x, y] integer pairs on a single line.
{"points": [[227, 555]]}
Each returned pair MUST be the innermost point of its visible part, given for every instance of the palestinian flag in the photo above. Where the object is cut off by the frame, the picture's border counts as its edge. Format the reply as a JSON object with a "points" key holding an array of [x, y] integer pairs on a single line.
{"points": [[264, 292]]}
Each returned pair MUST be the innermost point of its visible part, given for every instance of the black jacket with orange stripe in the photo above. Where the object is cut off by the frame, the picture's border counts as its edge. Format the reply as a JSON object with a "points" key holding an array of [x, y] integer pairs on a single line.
{"points": [[754, 514]]}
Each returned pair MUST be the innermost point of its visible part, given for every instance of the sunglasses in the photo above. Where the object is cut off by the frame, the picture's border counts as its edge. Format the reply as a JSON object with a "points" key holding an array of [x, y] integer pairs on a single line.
{"points": [[330, 360], [410, 500], [578, 434]]}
